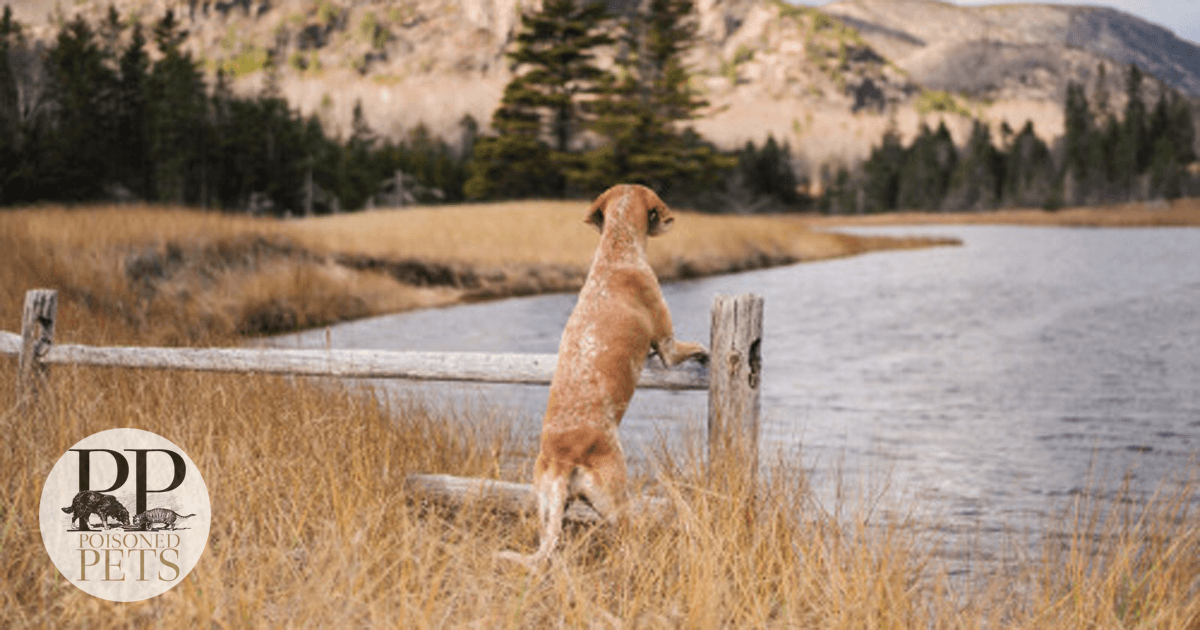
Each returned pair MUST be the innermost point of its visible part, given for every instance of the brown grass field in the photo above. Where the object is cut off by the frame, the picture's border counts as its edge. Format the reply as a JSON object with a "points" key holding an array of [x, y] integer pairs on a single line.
{"points": [[152, 275], [312, 526]]}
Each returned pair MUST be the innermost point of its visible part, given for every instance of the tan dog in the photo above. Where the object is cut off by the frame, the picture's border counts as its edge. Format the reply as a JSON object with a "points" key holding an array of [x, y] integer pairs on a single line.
{"points": [[620, 317]]}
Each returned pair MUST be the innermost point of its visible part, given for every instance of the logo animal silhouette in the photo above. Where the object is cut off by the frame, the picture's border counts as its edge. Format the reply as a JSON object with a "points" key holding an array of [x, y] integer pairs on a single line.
{"points": [[155, 516], [89, 502]]}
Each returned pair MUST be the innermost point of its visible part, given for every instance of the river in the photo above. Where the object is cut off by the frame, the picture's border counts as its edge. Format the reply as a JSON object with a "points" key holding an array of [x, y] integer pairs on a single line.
{"points": [[983, 383]]}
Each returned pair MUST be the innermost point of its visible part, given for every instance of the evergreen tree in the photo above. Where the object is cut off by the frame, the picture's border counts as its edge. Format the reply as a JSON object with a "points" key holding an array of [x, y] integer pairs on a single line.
{"points": [[359, 178], [639, 111], [975, 184], [10, 119], [78, 163], [1132, 153], [1028, 171], [134, 168], [177, 108], [928, 164], [839, 195], [515, 162], [768, 172], [544, 101], [1172, 136], [555, 48], [881, 173], [1078, 168]]}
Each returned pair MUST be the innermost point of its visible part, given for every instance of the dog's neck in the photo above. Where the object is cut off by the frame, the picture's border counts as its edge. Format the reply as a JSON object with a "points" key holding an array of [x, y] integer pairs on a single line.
{"points": [[623, 238], [620, 243]]}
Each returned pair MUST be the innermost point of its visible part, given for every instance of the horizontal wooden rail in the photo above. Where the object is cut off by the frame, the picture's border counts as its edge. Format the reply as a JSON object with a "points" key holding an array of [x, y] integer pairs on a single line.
{"points": [[529, 369]]}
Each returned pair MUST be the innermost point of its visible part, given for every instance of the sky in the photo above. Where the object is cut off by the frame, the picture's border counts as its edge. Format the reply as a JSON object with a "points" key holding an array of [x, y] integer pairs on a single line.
{"points": [[1180, 16]]}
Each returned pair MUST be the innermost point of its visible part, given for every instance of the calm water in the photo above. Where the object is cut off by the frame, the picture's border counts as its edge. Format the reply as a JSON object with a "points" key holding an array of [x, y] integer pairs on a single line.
{"points": [[981, 381]]}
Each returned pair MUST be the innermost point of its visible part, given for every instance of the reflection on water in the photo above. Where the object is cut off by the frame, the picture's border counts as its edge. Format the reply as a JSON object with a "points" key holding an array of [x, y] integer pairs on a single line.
{"points": [[980, 379]]}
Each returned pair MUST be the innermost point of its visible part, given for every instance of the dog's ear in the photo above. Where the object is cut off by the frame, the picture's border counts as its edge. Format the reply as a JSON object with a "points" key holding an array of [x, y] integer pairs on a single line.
{"points": [[595, 215], [658, 219]]}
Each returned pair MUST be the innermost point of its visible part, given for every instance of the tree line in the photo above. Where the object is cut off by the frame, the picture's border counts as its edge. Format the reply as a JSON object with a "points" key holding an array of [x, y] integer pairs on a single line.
{"points": [[119, 111], [116, 111], [1102, 158], [94, 115]]}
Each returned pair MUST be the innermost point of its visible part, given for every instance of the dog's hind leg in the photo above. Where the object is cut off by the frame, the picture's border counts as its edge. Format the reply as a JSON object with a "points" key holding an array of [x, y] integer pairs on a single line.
{"points": [[603, 484], [551, 490]]}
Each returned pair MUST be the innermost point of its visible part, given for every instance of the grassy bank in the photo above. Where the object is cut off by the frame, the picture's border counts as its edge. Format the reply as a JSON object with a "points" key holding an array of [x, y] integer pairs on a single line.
{"points": [[170, 276], [312, 527]]}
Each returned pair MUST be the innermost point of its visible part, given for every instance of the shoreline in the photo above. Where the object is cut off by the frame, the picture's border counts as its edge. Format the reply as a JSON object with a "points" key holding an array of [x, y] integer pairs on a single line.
{"points": [[143, 275], [1176, 213], [174, 276]]}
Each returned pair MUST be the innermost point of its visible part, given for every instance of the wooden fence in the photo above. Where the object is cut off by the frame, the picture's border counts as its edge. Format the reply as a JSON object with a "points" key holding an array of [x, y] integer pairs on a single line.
{"points": [[732, 378]]}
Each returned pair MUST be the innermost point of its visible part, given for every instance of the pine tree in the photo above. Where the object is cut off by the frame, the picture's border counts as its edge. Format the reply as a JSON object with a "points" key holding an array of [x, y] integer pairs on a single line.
{"points": [[881, 173], [515, 162], [177, 107], [358, 179], [10, 120], [555, 47], [975, 184], [768, 172], [78, 161], [928, 164], [1028, 170], [1172, 135], [543, 102], [1089, 153], [1132, 153], [640, 109], [134, 168]]}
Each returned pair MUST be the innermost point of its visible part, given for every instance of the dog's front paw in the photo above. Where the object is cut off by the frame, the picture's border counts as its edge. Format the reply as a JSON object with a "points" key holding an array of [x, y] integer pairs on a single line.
{"points": [[700, 355]]}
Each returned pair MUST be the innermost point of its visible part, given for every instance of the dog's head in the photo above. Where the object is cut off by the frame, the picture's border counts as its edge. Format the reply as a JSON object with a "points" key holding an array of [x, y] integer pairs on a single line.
{"points": [[632, 205]]}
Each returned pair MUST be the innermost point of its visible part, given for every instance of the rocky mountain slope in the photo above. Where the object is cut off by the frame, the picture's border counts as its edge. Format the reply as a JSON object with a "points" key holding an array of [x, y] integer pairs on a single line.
{"points": [[1017, 50], [827, 81]]}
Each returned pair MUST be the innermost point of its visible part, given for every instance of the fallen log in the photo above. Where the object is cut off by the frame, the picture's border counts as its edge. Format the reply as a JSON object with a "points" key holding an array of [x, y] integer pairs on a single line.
{"points": [[505, 496]]}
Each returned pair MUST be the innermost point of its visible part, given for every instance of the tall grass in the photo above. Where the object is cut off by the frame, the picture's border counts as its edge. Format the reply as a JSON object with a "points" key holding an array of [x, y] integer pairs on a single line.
{"points": [[312, 526]]}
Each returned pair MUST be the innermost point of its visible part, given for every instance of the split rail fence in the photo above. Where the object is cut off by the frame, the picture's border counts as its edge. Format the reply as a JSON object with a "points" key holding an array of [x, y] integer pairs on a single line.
{"points": [[732, 378]]}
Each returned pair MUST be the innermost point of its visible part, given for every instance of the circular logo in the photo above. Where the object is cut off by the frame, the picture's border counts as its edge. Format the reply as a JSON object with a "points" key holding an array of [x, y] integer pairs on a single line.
{"points": [[125, 515]]}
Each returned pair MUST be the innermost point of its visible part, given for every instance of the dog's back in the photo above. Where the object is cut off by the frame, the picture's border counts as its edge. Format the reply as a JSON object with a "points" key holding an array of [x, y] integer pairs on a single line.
{"points": [[619, 318], [607, 337]]}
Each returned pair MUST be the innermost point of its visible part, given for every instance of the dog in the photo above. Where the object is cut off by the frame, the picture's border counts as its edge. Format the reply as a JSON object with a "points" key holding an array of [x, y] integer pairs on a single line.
{"points": [[619, 321], [88, 502]]}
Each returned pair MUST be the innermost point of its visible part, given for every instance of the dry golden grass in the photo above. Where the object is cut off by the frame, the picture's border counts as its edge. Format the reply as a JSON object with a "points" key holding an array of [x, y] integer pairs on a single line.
{"points": [[312, 527], [553, 233], [156, 275], [1177, 213]]}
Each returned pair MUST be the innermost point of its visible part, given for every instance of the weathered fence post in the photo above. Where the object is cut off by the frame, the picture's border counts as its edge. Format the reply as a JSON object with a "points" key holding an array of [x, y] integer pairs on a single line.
{"points": [[37, 335], [734, 376]]}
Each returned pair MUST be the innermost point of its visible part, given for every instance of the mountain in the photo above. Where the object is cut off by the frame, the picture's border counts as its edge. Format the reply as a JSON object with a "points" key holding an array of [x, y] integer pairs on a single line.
{"points": [[1000, 51], [828, 81]]}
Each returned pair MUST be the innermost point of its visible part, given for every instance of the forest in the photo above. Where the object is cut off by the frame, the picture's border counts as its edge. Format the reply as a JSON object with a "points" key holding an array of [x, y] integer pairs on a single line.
{"points": [[120, 112]]}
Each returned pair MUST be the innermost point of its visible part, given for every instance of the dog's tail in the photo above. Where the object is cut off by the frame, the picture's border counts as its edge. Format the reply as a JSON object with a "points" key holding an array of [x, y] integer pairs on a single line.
{"points": [[552, 504]]}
